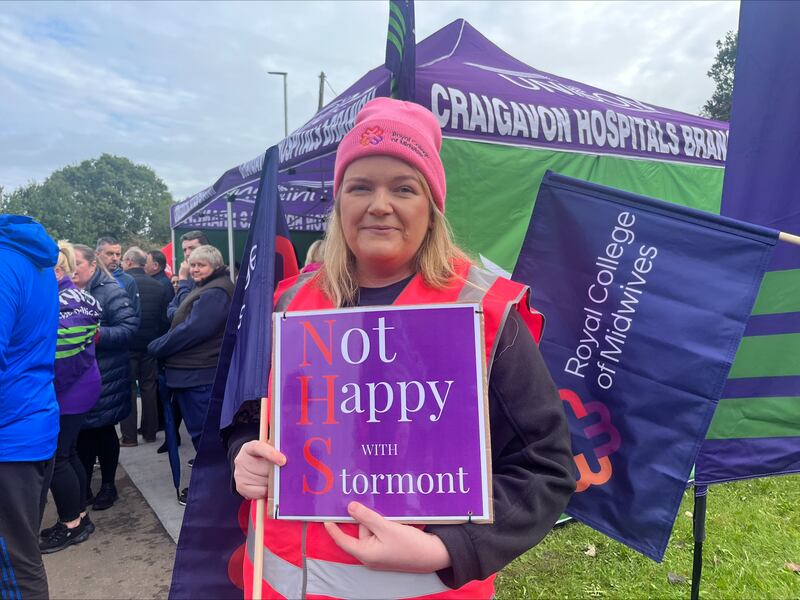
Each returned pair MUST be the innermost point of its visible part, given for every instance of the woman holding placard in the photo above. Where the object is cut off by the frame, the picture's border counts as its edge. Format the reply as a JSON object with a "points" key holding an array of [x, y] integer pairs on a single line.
{"points": [[388, 242]]}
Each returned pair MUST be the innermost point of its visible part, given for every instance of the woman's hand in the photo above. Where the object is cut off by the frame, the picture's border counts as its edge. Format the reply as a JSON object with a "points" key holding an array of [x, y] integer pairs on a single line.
{"points": [[252, 467], [390, 546]]}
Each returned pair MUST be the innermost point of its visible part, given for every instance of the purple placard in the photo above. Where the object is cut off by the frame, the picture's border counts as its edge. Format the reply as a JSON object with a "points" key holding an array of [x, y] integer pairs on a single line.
{"points": [[424, 456]]}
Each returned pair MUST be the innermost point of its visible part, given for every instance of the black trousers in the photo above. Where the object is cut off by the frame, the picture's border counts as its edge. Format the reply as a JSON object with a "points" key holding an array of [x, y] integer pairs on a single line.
{"points": [[69, 476], [103, 443], [144, 370], [23, 492]]}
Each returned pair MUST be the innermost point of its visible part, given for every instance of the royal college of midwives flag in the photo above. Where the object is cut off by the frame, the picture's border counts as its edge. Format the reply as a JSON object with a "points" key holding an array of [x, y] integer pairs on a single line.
{"points": [[208, 561], [646, 303]]}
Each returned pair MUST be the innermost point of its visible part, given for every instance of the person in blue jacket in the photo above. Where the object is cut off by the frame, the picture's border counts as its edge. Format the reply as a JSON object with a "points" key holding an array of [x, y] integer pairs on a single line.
{"points": [[28, 407], [98, 436]]}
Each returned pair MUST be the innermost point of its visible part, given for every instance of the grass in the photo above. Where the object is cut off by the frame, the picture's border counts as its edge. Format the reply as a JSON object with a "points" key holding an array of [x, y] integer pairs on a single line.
{"points": [[752, 531]]}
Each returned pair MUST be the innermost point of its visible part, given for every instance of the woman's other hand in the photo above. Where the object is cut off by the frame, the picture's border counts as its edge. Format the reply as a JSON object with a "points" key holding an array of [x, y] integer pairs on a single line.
{"points": [[252, 467], [390, 546]]}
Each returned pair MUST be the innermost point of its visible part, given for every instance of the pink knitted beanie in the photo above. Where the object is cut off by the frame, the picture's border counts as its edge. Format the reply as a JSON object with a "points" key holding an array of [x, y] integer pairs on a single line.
{"points": [[403, 130]]}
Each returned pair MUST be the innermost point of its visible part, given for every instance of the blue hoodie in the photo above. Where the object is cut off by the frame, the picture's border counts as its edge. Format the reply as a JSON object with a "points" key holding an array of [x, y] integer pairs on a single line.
{"points": [[28, 327]]}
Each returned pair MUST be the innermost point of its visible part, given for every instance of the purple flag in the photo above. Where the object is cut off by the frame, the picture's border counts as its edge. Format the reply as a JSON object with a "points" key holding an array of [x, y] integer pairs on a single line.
{"points": [[756, 428]]}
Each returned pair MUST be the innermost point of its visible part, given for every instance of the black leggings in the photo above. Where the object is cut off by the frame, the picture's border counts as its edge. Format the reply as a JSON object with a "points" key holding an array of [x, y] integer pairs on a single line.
{"points": [[69, 476], [102, 443]]}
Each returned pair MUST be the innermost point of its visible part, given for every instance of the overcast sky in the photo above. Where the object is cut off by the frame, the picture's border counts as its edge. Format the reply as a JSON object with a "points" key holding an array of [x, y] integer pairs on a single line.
{"points": [[183, 87]]}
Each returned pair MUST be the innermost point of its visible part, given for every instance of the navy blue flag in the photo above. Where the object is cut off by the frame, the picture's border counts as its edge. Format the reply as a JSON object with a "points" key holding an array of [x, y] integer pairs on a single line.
{"points": [[756, 430], [645, 305], [208, 561], [401, 48]]}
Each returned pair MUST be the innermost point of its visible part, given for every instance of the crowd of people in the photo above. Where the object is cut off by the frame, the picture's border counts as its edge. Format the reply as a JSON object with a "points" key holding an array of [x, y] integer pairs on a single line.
{"points": [[111, 328], [87, 335]]}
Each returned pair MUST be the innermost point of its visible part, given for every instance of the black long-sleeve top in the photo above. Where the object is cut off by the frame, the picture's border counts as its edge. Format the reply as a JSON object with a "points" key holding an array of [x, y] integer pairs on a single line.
{"points": [[532, 467]]}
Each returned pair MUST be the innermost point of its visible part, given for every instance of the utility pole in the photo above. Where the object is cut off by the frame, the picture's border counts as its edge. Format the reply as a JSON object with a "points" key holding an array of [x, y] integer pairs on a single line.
{"points": [[285, 76], [321, 90]]}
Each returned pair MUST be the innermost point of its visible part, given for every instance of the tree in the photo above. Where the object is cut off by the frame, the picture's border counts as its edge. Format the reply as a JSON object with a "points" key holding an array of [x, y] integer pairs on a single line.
{"points": [[109, 195], [722, 72]]}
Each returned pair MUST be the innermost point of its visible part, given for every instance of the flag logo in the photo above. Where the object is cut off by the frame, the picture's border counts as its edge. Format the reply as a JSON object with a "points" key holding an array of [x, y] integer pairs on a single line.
{"points": [[603, 429]]}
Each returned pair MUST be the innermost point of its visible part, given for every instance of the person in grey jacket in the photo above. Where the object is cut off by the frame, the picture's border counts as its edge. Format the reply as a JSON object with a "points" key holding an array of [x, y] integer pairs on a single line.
{"points": [[98, 437]]}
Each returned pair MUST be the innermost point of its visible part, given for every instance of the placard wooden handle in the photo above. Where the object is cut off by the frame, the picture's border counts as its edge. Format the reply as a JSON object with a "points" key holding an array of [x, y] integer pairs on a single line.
{"points": [[258, 550]]}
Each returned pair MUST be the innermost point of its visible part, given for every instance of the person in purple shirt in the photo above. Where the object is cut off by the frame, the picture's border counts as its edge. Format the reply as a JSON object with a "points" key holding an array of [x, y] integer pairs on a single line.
{"points": [[77, 385]]}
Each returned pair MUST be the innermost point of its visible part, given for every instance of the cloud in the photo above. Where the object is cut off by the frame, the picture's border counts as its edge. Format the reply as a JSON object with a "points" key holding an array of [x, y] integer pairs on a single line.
{"points": [[183, 87], [51, 67]]}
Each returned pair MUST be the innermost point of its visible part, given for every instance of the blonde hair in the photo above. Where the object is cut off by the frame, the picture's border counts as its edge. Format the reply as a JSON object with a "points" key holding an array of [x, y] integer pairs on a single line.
{"points": [[316, 252], [66, 257], [434, 259]]}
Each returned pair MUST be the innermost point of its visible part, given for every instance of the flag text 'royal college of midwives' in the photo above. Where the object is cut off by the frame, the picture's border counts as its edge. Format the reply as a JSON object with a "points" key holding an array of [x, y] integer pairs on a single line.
{"points": [[645, 303]]}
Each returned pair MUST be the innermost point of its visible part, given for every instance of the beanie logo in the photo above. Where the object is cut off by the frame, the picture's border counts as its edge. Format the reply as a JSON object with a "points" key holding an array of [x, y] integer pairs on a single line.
{"points": [[371, 136]]}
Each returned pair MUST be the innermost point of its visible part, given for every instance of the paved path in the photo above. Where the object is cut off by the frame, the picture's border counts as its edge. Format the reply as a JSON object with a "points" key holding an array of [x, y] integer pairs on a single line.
{"points": [[151, 474], [131, 553]]}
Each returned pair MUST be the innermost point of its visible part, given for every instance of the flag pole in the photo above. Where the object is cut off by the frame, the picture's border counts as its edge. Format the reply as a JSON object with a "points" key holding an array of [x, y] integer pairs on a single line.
{"points": [[258, 550], [789, 237], [699, 522]]}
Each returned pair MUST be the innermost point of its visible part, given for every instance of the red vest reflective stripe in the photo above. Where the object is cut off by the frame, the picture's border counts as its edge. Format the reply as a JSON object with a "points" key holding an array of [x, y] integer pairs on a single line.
{"points": [[471, 284], [301, 559]]}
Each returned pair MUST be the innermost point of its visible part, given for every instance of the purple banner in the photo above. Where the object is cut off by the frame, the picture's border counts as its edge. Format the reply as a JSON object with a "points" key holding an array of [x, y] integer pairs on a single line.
{"points": [[734, 459], [322, 134], [386, 406], [478, 92], [208, 209], [305, 194], [761, 186]]}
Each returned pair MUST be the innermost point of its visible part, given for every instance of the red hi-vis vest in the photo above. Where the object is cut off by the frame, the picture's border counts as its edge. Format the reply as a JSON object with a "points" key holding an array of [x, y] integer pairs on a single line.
{"points": [[300, 559]]}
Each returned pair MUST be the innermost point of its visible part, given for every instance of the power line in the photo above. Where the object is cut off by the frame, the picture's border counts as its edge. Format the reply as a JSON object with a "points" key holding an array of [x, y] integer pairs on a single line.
{"points": [[328, 83]]}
